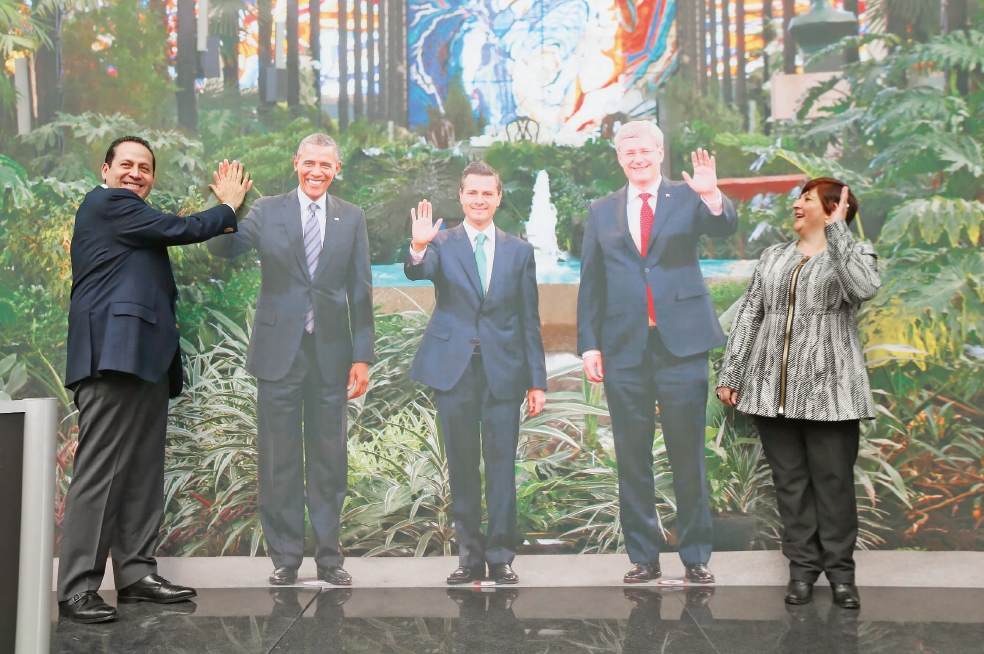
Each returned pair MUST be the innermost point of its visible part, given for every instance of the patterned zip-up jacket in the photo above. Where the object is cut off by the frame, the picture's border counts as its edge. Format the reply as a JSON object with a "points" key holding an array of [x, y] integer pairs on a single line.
{"points": [[825, 376]]}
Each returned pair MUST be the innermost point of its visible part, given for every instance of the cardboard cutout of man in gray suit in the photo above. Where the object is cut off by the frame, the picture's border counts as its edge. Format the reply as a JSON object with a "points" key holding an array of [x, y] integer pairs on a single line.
{"points": [[310, 349]]}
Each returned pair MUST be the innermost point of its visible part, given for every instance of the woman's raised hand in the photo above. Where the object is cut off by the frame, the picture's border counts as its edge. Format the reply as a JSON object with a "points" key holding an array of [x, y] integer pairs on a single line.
{"points": [[422, 226], [840, 211]]}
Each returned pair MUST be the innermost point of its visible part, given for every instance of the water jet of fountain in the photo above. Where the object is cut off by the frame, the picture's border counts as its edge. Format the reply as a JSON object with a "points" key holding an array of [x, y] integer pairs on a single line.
{"points": [[541, 228]]}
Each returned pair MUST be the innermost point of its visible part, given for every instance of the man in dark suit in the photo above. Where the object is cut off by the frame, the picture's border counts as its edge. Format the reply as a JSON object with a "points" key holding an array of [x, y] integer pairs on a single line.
{"points": [[123, 364], [645, 324], [310, 350], [482, 354]]}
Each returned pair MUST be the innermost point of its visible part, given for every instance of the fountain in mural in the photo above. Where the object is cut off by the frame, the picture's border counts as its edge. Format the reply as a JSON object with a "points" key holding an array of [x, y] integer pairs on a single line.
{"points": [[541, 228]]}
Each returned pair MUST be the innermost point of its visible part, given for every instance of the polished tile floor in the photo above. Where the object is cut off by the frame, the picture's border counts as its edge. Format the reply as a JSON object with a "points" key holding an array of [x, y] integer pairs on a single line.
{"points": [[719, 620]]}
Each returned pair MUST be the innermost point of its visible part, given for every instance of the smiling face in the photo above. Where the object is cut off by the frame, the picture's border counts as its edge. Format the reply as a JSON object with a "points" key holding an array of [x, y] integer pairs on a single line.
{"points": [[132, 168], [808, 214], [479, 197], [640, 157], [316, 166]]}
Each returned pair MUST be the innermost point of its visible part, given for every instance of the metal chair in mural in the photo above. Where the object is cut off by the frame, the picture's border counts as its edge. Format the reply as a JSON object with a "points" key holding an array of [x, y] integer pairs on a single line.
{"points": [[523, 128]]}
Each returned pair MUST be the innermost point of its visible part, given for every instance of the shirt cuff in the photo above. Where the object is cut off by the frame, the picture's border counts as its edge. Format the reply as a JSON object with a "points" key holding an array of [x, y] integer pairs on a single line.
{"points": [[716, 206], [416, 257], [589, 352]]}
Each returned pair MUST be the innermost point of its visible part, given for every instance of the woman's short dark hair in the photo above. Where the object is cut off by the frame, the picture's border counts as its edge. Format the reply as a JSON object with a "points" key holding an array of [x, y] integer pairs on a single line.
{"points": [[481, 169], [828, 191], [111, 152]]}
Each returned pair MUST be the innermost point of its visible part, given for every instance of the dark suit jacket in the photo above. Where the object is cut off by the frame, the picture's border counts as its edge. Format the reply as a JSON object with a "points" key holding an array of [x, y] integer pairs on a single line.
{"points": [[611, 303], [506, 321], [123, 293], [341, 290]]}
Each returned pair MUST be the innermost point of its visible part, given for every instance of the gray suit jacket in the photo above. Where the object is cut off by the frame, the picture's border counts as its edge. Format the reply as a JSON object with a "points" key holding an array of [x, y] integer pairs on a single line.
{"points": [[341, 289]]}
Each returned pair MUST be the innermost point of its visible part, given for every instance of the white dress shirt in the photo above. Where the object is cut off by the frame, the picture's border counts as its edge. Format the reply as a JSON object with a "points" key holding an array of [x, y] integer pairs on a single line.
{"points": [[633, 211], [321, 214], [417, 257]]}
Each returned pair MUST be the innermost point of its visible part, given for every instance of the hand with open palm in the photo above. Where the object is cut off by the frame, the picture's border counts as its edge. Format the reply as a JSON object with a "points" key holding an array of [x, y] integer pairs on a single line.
{"points": [[704, 181], [423, 228], [840, 209]]}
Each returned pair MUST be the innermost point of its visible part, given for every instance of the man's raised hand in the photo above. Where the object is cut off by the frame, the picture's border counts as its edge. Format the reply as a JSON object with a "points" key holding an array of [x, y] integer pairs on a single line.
{"points": [[422, 226], [705, 181], [231, 183]]}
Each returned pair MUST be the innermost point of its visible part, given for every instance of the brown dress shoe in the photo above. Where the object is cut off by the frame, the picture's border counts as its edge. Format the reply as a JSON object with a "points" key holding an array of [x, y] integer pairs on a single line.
{"points": [[697, 573], [642, 573]]}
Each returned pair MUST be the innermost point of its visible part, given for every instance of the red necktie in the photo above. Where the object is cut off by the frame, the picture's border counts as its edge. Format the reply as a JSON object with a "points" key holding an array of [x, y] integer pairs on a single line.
{"points": [[645, 229]]}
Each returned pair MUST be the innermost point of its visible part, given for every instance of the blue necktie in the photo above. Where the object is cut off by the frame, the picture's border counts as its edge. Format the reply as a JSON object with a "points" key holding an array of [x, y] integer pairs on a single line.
{"points": [[312, 250], [480, 260]]}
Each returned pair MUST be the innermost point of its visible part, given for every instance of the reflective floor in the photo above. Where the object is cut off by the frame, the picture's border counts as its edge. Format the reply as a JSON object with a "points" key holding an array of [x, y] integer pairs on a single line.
{"points": [[583, 620]]}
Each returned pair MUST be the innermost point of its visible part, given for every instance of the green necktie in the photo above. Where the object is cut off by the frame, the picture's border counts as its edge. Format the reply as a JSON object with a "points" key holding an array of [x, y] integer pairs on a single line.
{"points": [[480, 260]]}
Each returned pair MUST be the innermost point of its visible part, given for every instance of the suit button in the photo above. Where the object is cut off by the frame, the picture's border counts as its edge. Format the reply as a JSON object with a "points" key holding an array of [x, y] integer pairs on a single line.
{"points": [[473, 340], [303, 316], [647, 271], [176, 326]]}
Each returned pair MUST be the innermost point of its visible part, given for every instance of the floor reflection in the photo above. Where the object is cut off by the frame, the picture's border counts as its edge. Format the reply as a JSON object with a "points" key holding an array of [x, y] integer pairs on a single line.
{"points": [[505, 620]]}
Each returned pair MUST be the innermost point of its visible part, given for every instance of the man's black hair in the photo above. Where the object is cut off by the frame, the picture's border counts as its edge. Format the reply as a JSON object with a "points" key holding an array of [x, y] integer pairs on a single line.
{"points": [[111, 152]]}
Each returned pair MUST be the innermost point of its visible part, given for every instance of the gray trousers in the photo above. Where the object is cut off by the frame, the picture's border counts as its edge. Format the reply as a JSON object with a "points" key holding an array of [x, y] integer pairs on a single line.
{"points": [[115, 503], [301, 432]]}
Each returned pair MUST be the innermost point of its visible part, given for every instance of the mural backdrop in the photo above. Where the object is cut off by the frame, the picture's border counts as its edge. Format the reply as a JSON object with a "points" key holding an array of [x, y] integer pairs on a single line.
{"points": [[564, 63]]}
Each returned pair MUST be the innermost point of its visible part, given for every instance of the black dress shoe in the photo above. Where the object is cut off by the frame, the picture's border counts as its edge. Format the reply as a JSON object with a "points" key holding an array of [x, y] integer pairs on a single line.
{"points": [[335, 575], [697, 573], [643, 597], [86, 607], [283, 575], [846, 596], [642, 573], [154, 588], [799, 592], [502, 573], [466, 575]]}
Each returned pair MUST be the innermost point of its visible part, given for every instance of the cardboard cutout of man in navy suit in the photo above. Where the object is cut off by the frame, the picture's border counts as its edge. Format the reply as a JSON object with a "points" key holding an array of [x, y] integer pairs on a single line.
{"points": [[482, 354], [645, 323]]}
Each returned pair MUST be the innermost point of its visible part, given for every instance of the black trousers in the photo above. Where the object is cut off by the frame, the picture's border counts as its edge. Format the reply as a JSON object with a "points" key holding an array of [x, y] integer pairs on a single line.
{"points": [[302, 424], [476, 425], [813, 471], [679, 384], [116, 499]]}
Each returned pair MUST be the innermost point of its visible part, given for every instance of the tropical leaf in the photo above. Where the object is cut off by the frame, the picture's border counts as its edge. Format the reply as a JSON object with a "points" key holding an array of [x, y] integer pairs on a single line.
{"points": [[14, 179], [929, 220], [961, 49], [814, 166]]}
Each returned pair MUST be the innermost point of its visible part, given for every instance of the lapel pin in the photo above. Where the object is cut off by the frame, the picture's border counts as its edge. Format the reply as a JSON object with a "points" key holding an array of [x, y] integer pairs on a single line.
{"points": [[667, 195], [336, 217]]}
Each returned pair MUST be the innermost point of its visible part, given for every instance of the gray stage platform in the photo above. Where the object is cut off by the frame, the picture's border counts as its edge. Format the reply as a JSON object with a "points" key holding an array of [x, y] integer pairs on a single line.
{"points": [[897, 569]]}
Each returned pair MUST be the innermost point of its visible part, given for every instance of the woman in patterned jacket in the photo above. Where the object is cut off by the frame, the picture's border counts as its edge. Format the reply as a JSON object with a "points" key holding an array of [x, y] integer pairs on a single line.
{"points": [[794, 363]]}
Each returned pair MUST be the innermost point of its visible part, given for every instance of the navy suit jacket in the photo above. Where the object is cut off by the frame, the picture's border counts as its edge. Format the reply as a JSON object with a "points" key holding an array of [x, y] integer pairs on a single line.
{"points": [[611, 303], [340, 290], [121, 315], [506, 321]]}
